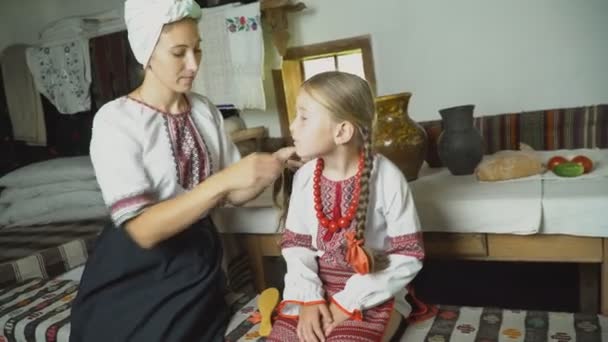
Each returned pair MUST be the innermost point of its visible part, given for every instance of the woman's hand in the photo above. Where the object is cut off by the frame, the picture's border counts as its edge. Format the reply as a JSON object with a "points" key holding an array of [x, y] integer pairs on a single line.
{"points": [[237, 184], [289, 157], [338, 316], [255, 170], [311, 323]]}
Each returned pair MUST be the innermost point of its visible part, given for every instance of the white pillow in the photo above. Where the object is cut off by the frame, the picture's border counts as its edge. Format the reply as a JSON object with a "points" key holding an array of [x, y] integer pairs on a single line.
{"points": [[10, 195], [65, 215], [50, 171], [39, 206]]}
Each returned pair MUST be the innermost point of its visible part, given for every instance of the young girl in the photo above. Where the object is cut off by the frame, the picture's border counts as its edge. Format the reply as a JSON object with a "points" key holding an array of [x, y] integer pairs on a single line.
{"points": [[351, 239]]}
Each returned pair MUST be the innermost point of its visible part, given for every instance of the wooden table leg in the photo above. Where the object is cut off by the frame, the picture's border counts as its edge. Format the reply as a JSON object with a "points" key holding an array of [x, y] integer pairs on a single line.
{"points": [[256, 260], [604, 280], [588, 288]]}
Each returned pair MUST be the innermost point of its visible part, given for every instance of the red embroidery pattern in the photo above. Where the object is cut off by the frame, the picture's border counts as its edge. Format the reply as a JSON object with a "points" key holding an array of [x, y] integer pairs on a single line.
{"points": [[334, 276], [335, 248], [189, 150], [408, 245], [371, 328], [292, 239]]}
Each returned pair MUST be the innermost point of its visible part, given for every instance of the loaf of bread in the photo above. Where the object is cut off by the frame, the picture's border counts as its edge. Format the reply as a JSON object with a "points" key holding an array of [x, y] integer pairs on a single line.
{"points": [[504, 165]]}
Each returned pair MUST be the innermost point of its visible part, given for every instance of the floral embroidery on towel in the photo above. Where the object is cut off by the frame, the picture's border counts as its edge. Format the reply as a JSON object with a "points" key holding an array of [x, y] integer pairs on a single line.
{"points": [[242, 23]]}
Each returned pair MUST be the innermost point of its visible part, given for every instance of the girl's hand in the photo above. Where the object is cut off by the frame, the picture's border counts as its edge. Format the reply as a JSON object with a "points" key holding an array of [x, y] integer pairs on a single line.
{"points": [[311, 322], [338, 316]]}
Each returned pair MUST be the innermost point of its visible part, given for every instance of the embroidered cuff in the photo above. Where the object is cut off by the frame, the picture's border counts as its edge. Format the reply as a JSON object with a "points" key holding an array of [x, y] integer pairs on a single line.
{"points": [[348, 308], [292, 239], [407, 245], [127, 208]]}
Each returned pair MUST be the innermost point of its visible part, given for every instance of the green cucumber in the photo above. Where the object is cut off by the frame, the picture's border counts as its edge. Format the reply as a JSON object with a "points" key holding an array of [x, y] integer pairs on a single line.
{"points": [[569, 169]]}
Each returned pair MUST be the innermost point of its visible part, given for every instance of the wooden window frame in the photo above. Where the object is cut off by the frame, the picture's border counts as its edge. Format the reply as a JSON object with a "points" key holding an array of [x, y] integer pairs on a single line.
{"points": [[291, 75]]}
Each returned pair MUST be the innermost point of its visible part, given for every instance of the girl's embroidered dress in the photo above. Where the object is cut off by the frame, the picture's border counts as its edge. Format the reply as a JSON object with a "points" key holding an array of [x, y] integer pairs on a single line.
{"points": [[317, 271]]}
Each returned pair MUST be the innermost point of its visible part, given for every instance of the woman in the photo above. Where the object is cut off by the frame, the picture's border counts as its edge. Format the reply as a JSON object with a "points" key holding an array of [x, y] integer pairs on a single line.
{"points": [[163, 162]]}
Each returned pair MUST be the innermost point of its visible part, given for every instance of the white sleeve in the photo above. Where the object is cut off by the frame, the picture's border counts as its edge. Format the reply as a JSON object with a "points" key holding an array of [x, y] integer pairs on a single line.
{"points": [[302, 283], [405, 252], [116, 153]]}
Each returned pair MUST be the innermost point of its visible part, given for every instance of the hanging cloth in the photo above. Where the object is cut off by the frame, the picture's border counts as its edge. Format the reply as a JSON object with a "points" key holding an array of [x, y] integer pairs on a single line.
{"points": [[23, 100], [62, 73]]}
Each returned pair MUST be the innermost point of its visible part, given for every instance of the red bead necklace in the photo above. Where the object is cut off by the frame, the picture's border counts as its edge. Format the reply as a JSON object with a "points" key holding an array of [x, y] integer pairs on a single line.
{"points": [[337, 222]]}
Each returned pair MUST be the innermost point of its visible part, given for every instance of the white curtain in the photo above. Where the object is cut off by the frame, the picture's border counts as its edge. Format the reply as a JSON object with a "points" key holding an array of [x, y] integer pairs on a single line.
{"points": [[23, 100]]}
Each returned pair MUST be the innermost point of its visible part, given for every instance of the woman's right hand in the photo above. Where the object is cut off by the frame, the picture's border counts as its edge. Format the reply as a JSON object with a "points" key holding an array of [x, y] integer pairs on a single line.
{"points": [[312, 322], [256, 169]]}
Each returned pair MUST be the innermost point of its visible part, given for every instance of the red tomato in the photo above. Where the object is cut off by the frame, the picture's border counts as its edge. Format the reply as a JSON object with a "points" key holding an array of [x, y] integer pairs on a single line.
{"points": [[553, 162], [585, 162]]}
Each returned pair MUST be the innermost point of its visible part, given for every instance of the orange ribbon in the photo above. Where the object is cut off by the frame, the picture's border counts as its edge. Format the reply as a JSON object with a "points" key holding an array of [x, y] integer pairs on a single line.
{"points": [[255, 318], [355, 255]]}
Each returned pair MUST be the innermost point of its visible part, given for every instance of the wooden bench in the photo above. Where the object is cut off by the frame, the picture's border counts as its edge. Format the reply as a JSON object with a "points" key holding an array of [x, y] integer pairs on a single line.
{"points": [[585, 251]]}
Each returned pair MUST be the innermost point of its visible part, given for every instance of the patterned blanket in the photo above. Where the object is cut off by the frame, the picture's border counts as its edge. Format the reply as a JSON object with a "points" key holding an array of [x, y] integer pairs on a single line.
{"points": [[471, 324], [34, 308], [38, 310], [468, 324]]}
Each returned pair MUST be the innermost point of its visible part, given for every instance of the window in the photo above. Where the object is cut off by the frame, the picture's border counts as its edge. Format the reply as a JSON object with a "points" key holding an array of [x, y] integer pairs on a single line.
{"points": [[351, 62], [352, 55]]}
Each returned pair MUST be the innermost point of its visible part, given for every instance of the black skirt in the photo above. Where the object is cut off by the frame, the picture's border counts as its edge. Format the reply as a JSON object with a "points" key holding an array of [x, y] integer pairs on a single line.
{"points": [[172, 292]]}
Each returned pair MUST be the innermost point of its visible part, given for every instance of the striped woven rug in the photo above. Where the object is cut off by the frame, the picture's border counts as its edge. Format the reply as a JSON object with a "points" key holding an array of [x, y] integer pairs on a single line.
{"points": [[472, 324]]}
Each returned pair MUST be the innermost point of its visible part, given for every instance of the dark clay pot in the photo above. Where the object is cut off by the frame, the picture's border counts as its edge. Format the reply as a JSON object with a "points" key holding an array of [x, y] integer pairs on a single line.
{"points": [[460, 144]]}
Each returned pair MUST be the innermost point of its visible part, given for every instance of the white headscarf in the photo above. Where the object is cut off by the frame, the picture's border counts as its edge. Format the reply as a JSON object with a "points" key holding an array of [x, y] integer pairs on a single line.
{"points": [[145, 20]]}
